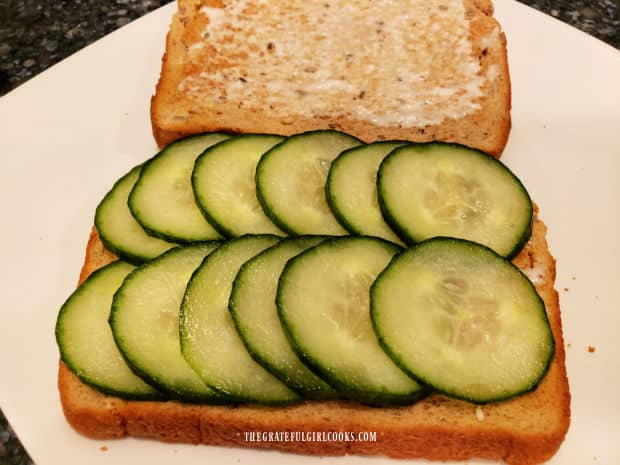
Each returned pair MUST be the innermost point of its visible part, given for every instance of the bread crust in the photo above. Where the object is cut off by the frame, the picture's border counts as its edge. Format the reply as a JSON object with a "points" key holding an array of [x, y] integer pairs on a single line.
{"points": [[175, 115], [522, 431]]}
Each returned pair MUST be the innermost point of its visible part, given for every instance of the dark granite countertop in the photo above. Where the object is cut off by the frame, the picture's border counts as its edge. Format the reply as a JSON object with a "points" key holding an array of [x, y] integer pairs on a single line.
{"points": [[35, 34]]}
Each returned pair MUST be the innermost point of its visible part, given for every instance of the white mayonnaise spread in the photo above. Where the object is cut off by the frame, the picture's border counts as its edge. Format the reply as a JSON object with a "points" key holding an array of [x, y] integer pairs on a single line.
{"points": [[479, 413], [535, 274], [388, 68]]}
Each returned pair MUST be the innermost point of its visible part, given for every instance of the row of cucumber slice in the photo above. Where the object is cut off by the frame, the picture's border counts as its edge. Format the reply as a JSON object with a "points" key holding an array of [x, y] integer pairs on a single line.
{"points": [[267, 320], [237, 313], [215, 186]]}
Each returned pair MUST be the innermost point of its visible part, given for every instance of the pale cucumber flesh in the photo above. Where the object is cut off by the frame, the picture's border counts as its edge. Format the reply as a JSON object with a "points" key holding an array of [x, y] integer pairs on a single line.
{"points": [[332, 330], [162, 200], [432, 190], [352, 190], [85, 340], [462, 319], [145, 322], [290, 182], [253, 307], [118, 229], [210, 343], [224, 185]]}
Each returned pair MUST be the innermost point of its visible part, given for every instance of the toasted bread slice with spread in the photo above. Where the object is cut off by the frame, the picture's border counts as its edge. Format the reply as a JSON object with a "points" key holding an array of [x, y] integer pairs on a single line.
{"points": [[419, 71], [524, 430]]}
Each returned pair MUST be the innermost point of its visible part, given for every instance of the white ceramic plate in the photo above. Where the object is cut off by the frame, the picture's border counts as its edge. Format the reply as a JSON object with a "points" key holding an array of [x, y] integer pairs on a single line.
{"points": [[67, 134]]}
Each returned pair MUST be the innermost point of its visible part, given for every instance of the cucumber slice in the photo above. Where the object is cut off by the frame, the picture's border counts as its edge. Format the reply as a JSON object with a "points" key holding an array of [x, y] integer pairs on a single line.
{"points": [[253, 308], [209, 341], [462, 319], [323, 303], [85, 340], [290, 182], [162, 200], [224, 185], [145, 322], [352, 189], [119, 231], [437, 189]]}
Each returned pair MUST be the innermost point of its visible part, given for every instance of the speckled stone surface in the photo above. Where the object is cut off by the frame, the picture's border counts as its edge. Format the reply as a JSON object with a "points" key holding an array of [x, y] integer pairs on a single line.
{"points": [[11, 450], [599, 18], [36, 34]]}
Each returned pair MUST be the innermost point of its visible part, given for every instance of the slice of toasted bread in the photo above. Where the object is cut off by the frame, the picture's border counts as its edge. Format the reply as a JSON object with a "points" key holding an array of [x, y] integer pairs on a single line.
{"points": [[416, 70], [524, 430]]}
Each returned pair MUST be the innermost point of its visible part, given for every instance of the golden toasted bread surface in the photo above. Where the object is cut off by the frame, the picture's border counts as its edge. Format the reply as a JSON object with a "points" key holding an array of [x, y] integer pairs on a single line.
{"points": [[524, 430], [422, 70]]}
